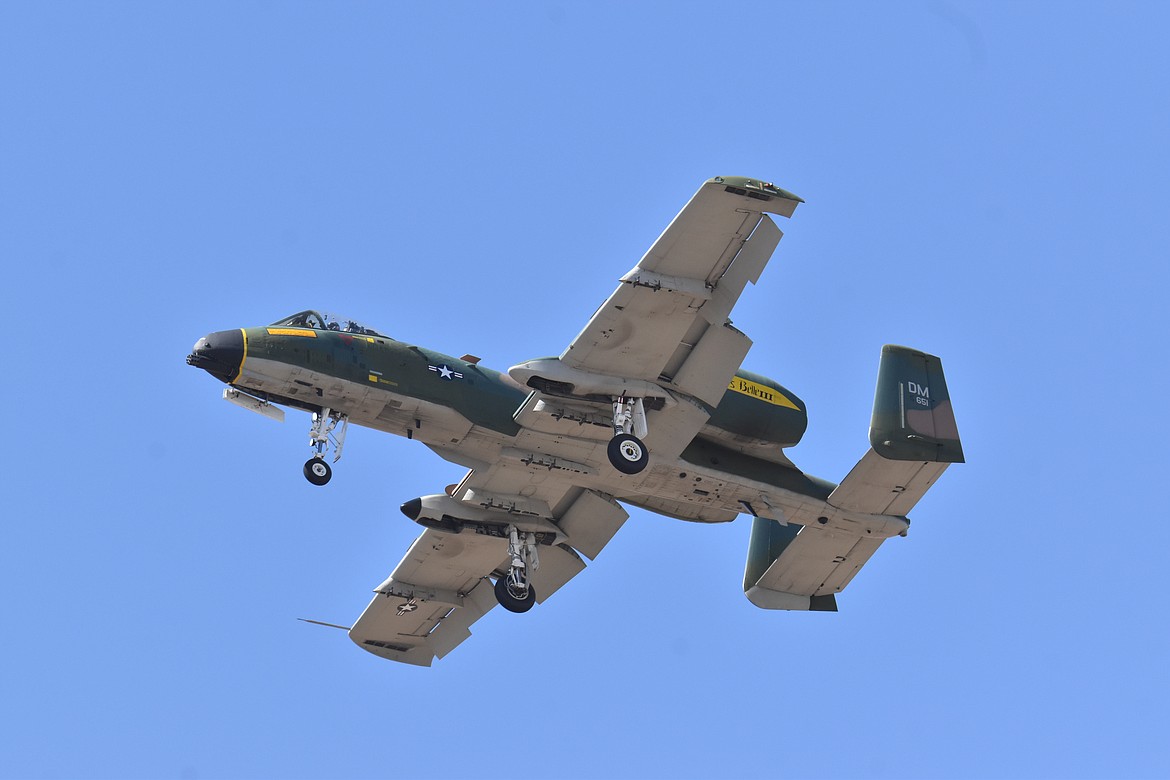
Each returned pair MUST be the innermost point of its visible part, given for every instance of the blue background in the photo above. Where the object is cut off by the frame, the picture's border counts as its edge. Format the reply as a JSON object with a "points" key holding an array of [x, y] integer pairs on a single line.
{"points": [[983, 181]]}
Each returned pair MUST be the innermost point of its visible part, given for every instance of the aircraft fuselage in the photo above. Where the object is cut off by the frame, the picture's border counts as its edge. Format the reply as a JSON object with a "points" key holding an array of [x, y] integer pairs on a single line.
{"points": [[466, 413]]}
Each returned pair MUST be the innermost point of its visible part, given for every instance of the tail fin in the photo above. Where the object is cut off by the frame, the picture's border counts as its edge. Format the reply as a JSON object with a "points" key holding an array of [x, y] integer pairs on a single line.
{"points": [[912, 414], [913, 435]]}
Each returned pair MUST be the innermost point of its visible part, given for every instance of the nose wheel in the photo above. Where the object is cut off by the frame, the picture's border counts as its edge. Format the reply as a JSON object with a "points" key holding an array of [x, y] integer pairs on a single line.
{"points": [[321, 436], [317, 471]]}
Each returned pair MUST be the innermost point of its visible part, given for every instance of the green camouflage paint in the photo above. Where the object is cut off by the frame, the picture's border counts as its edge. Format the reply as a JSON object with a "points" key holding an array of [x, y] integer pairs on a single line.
{"points": [[777, 416], [479, 394], [912, 414]]}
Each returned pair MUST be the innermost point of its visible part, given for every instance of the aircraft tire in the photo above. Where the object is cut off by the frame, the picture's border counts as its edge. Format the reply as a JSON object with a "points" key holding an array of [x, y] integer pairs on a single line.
{"points": [[510, 602], [317, 471], [627, 453]]}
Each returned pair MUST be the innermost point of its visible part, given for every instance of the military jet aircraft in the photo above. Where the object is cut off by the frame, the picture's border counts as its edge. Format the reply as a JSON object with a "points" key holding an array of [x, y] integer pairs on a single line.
{"points": [[648, 407]]}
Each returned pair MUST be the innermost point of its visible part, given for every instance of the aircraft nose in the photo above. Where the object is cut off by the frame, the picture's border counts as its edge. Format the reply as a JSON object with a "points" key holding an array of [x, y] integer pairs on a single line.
{"points": [[220, 354]]}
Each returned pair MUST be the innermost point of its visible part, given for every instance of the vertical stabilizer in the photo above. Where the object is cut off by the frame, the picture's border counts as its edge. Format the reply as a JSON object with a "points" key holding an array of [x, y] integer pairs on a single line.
{"points": [[912, 414]]}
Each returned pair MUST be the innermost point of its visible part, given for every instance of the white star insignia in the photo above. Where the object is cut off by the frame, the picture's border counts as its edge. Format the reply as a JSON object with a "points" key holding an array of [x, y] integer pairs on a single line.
{"points": [[446, 372]]}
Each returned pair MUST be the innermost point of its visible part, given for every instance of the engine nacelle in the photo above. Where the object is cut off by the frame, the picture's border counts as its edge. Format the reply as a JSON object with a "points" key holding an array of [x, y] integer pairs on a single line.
{"points": [[756, 411]]}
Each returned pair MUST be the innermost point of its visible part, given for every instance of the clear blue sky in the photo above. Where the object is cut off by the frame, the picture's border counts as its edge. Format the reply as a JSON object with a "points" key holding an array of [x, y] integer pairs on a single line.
{"points": [[983, 181]]}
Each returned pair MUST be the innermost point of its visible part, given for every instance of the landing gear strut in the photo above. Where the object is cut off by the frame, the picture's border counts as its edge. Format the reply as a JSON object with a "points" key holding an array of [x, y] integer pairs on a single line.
{"points": [[626, 451], [321, 435], [514, 592]]}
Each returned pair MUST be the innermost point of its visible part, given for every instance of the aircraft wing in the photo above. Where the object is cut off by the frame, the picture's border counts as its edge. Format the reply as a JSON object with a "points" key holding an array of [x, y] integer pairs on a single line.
{"points": [[443, 584], [666, 320], [428, 604]]}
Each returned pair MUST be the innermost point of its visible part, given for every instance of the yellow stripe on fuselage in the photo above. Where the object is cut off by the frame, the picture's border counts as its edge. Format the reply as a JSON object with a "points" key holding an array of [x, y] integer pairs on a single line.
{"points": [[762, 392], [240, 370], [291, 332]]}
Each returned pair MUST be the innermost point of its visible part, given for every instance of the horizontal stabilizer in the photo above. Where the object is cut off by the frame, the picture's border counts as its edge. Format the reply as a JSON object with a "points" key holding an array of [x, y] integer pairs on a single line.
{"points": [[878, 486]]}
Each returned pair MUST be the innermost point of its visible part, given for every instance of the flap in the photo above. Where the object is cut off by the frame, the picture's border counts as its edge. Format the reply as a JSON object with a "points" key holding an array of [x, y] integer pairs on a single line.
{"points": [[558, 565], [591, 522]]}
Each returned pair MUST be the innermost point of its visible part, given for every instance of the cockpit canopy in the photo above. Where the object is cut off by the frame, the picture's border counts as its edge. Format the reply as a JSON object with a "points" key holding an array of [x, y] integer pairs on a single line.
{"points": [[326, 321]]}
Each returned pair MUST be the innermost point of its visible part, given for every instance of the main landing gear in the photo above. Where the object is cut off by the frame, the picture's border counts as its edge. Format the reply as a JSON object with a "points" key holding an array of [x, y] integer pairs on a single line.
{"points": [[514, 592], [626, 451], [321, 435]]}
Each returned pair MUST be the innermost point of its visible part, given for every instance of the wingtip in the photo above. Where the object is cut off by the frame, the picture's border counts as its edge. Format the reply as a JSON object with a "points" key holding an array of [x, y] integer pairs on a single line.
{"points": [[743, 182]]}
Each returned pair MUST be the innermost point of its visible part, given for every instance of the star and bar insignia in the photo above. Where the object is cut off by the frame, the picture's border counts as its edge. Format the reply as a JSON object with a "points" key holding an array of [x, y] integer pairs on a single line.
{"points": [[445, 372]]}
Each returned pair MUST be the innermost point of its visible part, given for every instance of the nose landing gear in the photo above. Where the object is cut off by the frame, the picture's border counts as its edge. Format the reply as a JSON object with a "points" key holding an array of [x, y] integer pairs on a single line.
{"points": [[317, 471], [321, 435]]}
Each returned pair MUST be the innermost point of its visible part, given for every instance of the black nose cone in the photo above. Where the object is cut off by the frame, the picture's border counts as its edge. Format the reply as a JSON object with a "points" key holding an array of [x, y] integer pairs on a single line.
{"points": [[220, 354]]}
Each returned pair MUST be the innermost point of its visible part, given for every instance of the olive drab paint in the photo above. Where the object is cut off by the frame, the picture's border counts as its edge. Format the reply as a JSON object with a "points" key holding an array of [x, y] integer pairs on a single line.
{"points": [[912, 414]]}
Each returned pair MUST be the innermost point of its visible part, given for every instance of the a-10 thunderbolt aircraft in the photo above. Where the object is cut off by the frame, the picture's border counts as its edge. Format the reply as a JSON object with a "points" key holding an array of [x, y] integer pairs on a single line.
{"points": [[647, 406]]}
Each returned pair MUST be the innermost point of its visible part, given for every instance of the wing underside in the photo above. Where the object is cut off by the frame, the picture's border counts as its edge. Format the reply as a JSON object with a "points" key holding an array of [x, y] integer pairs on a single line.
{"points": [[674, 304], [445, 582], [666, 327]]}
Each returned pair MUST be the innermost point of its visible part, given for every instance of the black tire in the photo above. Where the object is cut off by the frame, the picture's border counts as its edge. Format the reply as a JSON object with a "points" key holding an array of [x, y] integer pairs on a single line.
{"points": [[317, 471], [627, 453], [510, 602]]}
